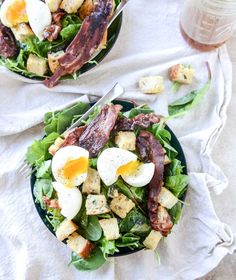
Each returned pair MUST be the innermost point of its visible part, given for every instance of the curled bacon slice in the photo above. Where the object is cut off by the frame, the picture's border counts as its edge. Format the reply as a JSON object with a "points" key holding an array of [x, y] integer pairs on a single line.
{"points": [[57, 16], [151, 151], [98, 131], [51, 32], [8, 46], [73, 137], [85, 43], [141, 120]]}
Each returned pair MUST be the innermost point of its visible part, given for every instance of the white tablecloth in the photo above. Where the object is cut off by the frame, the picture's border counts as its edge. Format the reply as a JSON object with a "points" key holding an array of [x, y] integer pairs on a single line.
{"points": [[149, 43]]}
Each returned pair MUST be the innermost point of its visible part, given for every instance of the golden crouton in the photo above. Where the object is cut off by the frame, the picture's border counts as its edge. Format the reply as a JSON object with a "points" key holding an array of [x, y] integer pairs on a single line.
{"points": [[152, 240], [181, 74], [110, 228], [121, 205], [37, 65], [92, 184], [53, 60], [151, 84], [65, 228]]}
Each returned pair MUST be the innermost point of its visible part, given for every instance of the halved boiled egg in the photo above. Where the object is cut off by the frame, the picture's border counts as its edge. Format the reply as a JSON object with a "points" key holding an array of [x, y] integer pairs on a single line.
{"points": [[39, 16], [115, 162], [70, 166], [13, 12], [69, 199]]}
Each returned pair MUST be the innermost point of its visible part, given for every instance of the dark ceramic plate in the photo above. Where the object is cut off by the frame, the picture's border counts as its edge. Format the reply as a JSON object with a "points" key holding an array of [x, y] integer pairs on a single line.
{"points": [[174, 142]]}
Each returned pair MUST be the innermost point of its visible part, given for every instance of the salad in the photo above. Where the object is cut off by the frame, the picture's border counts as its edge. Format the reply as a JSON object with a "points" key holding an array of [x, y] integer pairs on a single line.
{"points": [[52, 39], [111, 186]]}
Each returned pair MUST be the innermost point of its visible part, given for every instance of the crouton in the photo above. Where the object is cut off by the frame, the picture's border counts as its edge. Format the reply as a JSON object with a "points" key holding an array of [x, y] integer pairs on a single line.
{"points": [[121, 205], [152, 240], [36, 65], [86, 9], [181, 74], [167, 160], [152, 84], [80, 245], [126, 140], [110, 228], [22, 31], [56, 146], [112, 192], [65, 228], [92, 184], [71, 6], [53, 60], [96, 204], [53, 5], [166, 198]]}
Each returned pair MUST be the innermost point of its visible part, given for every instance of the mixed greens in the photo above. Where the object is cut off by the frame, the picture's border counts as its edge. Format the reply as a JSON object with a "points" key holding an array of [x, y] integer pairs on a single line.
{"points": [[135, 227]]}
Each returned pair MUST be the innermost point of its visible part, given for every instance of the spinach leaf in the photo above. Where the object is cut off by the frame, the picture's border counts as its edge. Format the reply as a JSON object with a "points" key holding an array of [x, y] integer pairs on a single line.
{"points": [[142, 109], [135, 221], [190, 100], [54, 217], [81, 218], [177, 184], [42, 187], [139, 193], [133, 193], [93, 230], [95, 260], [175, 212], [129, 240], [108, 247]]}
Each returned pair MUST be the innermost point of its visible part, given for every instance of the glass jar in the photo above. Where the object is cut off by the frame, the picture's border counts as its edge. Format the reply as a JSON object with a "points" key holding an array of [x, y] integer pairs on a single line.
{"points": [[207, 24]]}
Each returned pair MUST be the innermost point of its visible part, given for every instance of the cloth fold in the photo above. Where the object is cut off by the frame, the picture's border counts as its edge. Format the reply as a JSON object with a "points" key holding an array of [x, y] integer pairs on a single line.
{"points": [[148, 44]]}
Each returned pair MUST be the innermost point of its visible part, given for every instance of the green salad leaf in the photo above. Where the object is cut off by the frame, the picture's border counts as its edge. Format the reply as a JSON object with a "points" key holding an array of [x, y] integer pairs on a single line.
{"points": [[44, 171], [108, 247], [42, 187], [175, 212], [54, 217], [94, 261], [142, 109], [129, 240], [93, 230]]}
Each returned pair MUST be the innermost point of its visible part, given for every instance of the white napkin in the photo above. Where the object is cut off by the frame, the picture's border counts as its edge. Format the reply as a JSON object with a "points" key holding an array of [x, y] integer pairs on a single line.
{"points": [[149, 43]]}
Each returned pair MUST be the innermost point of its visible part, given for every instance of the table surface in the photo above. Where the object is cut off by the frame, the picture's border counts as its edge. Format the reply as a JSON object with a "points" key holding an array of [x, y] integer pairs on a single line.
{"points": [[224, 154]]}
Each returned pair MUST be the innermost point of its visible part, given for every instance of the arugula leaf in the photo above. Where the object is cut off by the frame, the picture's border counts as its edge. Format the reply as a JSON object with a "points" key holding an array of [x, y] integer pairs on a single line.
{"points": [[174, 168], [94, 261], [54, 217], [142, 109], [108, 247], [129, 240], [190, 100], [175, 212], [93, 230], [42, 187], [44, 171]]}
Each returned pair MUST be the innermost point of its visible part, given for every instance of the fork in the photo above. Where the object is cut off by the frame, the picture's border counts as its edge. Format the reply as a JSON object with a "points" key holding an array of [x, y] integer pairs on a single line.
{"points": [[116, 91]]}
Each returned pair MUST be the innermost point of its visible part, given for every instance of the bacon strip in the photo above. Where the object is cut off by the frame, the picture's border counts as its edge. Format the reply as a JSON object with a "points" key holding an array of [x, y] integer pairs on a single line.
{"points": [[8, 46], [72, 139], [85, 43], [151, 151], [141, 120], [98, 131]]}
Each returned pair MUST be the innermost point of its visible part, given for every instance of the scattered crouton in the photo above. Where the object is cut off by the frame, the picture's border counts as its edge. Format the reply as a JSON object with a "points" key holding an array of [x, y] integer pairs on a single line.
{"points": [[37, 65], [53, 60], [66, 228], [110, 228], [166, 198], [181, 74], [152, 240], [92, 184], [71, 6], [121, 205], [53, 5], [80, 245], [152, 84], [86, 9], [167, 160], [22, 31], [56, 146], [96, 204], [126, 140]]}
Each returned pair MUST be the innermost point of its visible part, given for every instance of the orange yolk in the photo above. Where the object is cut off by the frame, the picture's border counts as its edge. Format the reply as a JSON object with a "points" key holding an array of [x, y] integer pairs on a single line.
{"points": [[128, 169], [16, 13], [75, 167]]}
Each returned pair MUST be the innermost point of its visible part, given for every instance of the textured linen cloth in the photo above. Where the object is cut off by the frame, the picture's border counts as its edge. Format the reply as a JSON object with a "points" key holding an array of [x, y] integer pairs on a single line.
{"points": [[149, 43]]}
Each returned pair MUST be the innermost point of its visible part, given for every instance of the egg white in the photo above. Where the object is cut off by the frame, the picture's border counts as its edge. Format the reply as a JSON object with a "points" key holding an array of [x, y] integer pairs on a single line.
{"points": [[69, 199], [59, 160]]}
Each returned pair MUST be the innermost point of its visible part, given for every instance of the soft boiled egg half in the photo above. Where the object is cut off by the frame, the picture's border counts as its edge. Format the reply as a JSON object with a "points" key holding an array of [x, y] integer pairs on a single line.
{"points": [[115, 162], [70, 166], [69, 199]]}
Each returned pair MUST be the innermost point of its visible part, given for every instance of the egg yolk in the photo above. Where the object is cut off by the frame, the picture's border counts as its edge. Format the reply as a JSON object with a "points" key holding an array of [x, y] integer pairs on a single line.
{"points": [[128, 169], [16, 13], [75, 167]]}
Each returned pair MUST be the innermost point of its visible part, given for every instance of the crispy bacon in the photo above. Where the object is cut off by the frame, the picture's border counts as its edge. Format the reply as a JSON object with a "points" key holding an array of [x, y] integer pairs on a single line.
{"points": [[8, 46], [57, 16], [51, 32], [151, 151], [51, 203], [98, 131], [73, 137], [141, 120], [85, 43]]}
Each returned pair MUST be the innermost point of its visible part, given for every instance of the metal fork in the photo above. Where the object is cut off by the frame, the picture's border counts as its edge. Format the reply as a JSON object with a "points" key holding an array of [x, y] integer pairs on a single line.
{"points": [[116, 91]]}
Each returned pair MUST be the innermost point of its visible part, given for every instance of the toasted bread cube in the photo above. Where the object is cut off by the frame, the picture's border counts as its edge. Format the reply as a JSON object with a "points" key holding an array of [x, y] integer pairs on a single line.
{"points": [[80, 245], [37, 65], [152, 84], [126, 140], [152, 240], [53, 5], [92, 184], [112, 192], [71, 6], [166, 198], [56, 146], [65, 228], [22, 31], [121, 205], [167, 160], [110, 228], [96, 204], [53, 60], [181, 74], [86, 9]]}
